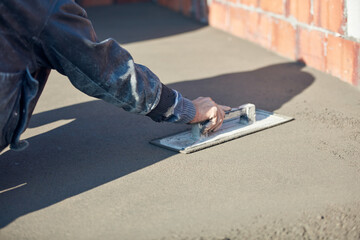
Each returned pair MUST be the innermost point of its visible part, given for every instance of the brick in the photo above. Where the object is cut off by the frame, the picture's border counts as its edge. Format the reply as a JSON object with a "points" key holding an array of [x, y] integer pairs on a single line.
{"points": [[186, 7], [237, 24], [253, 3], [275, 6], [175, 5], [311, 48], [329, 14], [252, 30], [244, 24], [218, 14], [161, 2], [284, 38], [301, 10], [356, 80], [89, 3], [251, 25], [265, 30], [342, 59], [172, 4]]}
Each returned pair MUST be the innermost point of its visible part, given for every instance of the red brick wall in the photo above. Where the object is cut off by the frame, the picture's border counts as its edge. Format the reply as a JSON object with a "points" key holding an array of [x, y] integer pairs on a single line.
{"points": [[311, 30]]}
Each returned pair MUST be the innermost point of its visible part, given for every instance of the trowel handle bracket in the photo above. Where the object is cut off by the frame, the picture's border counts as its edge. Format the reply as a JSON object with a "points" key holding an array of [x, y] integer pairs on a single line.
{"points": [[247, 113]]}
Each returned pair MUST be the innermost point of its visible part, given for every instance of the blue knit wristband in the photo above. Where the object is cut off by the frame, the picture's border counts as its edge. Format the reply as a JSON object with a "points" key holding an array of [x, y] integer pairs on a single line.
{"points": [[184, 110]]}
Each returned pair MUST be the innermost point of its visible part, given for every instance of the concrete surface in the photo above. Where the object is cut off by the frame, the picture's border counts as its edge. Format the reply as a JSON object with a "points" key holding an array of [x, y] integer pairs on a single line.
{"points": [[90, 173]]}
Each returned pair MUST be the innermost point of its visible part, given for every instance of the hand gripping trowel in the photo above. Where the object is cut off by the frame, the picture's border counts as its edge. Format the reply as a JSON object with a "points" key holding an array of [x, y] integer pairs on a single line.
{"points": [[238, 122]]}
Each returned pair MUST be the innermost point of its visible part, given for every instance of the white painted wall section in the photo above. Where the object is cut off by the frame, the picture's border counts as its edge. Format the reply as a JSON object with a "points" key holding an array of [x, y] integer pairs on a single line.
{"points": [[353, 18]]}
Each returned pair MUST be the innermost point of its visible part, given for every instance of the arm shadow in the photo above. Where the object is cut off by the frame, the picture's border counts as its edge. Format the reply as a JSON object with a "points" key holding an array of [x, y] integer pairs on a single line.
{"points": [[104, 144], [268, 88]]}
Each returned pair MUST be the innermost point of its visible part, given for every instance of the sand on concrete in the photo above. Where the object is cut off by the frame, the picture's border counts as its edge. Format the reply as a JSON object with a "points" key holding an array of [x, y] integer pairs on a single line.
{"points": [[90, 173]]}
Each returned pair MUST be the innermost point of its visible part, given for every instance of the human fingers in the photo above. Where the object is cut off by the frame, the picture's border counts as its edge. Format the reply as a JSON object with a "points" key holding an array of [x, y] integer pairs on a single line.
{"points": [[225, 108], [218, 126], [212, 120], [207, 109], [220, 119], [204, 109], [217, 120], [222, 113]]}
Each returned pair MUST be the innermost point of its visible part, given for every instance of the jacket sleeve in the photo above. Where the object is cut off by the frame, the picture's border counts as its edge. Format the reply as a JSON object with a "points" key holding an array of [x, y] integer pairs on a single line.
{"points": [[104, 69]]}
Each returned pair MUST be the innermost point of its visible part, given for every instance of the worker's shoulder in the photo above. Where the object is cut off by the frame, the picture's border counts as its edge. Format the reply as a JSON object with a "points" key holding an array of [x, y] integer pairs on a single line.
{"points": [[24, 17]]}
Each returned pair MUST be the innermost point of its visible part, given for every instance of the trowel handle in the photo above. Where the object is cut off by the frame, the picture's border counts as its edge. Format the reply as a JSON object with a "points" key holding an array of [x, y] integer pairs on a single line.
{"points": [[246, 114]]}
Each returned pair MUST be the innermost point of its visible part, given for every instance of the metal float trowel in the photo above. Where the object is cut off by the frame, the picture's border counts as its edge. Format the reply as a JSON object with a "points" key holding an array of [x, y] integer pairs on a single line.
{"points": [[238, 122]]}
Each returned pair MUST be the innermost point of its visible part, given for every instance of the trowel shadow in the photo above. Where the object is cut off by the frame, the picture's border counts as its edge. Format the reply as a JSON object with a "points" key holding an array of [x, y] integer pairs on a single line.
{"points": [[100, 143]]}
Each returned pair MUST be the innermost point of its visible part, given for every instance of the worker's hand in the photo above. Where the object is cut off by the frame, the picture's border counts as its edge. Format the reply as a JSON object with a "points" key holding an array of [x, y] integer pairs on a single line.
{"points": [[207, 109]]}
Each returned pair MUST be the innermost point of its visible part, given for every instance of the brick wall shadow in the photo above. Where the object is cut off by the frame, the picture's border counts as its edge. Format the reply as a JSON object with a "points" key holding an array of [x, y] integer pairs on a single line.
{"points": [[138, 22]]}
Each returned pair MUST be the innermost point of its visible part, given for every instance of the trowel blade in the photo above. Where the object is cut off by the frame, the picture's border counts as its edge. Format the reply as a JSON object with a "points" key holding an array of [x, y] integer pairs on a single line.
{"points": [[183, 142]]}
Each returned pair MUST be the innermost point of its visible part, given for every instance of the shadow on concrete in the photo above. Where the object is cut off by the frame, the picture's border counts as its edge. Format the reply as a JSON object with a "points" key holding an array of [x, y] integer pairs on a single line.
{"points": [[138, 22], [103, 143], [268, 88]]}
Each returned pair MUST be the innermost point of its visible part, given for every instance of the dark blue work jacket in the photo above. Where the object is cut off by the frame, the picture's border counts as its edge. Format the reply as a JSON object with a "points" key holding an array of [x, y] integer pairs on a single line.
{"points": [[39, 35]]}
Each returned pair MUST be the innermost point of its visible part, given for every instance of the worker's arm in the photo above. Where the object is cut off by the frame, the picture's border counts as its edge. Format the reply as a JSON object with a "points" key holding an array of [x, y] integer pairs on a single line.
{"points": [[107, 71]]}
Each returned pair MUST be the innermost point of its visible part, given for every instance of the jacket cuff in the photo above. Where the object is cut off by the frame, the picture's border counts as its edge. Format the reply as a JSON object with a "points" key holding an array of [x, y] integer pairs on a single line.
{"points": [[167, 101], [184, 111], [173, 107]]}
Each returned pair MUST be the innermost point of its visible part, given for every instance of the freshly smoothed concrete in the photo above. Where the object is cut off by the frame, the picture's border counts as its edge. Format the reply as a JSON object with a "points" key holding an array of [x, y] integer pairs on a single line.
{"points": [[90, 172]]}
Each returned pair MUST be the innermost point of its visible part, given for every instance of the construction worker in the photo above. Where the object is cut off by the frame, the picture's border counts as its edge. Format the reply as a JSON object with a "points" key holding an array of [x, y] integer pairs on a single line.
{"points": [[39, 35]]}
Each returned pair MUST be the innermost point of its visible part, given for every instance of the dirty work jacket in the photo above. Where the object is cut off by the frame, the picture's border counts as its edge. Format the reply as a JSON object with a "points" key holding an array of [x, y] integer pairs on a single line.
{"points": [[39, 35]]}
